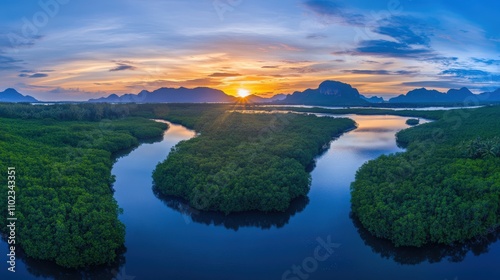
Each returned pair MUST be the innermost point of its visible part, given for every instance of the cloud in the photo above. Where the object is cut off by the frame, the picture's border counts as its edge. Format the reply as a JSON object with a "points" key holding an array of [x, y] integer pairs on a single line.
{"points": [[434, 84], [465, 72], [34, 71], [122, 61], [381, 72], [262, 47], [409, 38], [399, 50], [406, 30], [152, 85], [122, 67], [384, 48], [486, 61], [9, 63], [444, 60], [330, 12], [296, 61], [316, 36], [34, 76], [368, 72], [13, 39], [224, 75], [48, 93], [406, 72], [314, 68], [473, 75]]}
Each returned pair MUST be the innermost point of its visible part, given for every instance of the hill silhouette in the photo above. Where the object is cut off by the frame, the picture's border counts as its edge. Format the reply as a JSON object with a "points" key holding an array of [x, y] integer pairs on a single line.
{"points": [[329, 93], [11, 95]]}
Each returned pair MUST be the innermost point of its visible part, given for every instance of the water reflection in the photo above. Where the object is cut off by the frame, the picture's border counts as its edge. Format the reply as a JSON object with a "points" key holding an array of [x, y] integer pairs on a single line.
{"points": [[430, 253], [163, 245], [50, 270], [236, 220], [398, 108], [126, 152]]}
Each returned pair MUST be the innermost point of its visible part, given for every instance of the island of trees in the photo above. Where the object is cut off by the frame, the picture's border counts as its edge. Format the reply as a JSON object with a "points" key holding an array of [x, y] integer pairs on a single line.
{"points": [[443, 189], [412, 122], [246, 162]]}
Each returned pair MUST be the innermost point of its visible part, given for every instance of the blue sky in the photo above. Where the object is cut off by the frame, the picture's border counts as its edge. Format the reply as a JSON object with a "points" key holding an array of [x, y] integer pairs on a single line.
{"points": [[76, 50]]}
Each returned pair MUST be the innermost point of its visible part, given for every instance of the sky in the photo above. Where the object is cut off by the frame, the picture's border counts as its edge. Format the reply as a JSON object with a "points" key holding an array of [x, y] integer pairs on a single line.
{"points": [[76, 50]]}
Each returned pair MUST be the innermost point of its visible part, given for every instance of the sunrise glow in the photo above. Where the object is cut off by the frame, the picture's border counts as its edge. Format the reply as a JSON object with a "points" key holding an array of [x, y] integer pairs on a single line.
{"points": [[243, 93], [380, 50]]}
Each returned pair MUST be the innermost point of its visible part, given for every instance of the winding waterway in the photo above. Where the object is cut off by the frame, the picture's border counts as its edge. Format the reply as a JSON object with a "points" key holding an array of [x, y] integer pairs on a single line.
{"points": [[165, 239]]}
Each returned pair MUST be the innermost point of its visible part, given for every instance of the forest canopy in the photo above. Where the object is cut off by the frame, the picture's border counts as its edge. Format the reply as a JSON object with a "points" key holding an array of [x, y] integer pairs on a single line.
{"points": [[444, 189], [412, 122], [246, 162], [64, 153], [65, 206]]}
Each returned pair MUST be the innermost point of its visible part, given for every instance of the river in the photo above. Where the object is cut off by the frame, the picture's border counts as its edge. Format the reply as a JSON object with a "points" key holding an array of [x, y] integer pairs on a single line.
{"points": [[315, 239]]}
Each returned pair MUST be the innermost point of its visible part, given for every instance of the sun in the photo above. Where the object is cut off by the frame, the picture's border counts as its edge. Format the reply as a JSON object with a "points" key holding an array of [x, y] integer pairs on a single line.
{"points": [[243, 93]]}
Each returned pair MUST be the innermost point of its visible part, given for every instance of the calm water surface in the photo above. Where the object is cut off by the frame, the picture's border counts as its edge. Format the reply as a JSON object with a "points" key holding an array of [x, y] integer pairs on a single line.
{"points": [[168, 240], [380, 108]]}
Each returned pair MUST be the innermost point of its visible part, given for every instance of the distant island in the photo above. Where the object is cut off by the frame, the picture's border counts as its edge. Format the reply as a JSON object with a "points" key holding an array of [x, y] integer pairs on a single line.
{"points": [[423, 95], [11, 95], [412, 122]]}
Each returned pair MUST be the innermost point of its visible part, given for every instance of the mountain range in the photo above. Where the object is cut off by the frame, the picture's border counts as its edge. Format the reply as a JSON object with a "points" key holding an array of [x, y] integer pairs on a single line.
{"points": [[11, 95], [183, 95], [463, 95], [328, 93]]}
